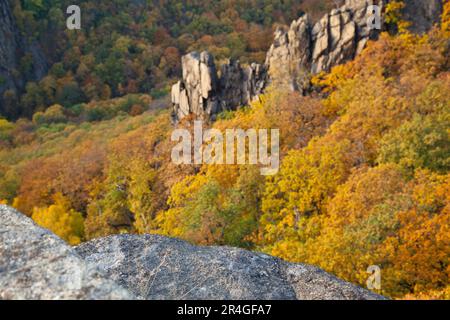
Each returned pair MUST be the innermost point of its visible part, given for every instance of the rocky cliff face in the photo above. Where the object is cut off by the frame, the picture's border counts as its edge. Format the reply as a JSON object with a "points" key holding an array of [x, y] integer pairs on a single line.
{"points": [[13, 47], [204, 93], [35, 264], [307, 48], [304, 49]]}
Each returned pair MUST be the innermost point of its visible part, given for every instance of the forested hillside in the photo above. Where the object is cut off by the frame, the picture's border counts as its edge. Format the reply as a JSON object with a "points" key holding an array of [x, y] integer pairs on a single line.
{"points": [[127, 47], [365, 158]]}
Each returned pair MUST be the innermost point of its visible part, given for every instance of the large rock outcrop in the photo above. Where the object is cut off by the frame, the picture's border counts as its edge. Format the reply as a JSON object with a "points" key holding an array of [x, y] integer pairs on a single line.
{"points": [[36, 264], [307, 48], [155, 267], [297, 53], [289, 58], [14, 47], [204, 93]]}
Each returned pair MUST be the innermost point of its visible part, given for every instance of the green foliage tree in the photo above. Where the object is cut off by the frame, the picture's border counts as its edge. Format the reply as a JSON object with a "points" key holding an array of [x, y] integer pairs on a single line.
{"points": [[422, 142]]}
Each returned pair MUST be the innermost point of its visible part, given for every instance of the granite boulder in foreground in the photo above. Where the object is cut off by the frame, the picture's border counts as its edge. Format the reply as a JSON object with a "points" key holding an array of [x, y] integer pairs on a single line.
{"points": [[156, 267], [36, 264]]}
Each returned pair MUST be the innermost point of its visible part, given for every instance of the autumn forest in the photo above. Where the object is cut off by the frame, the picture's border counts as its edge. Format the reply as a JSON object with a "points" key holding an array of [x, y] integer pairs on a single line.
{"points": [[364, 178]]}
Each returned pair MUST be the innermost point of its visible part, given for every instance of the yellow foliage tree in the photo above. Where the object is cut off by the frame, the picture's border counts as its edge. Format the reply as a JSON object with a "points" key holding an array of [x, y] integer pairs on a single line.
{"points": [[359, 219], [419, 252], [132, 193], [393, 15], [61, 219], [354, 221], [445, 26], [221, 204], [307, 180]]}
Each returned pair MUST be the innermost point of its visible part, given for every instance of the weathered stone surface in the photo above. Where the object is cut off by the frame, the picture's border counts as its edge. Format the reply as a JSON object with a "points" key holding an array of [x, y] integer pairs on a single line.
{"points": [[240, 85], [156, 267], [36, 264], [195, 93], [307, 48], [203, 93], [289, 58]]}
